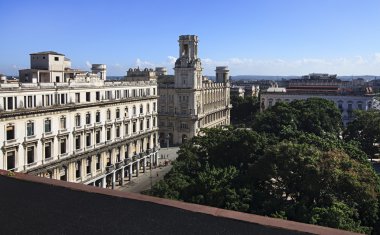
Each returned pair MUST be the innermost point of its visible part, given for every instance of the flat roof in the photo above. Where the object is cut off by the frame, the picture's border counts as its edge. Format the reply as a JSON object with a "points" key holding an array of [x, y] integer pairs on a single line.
{"points": [[46, 52], [31, 204]]}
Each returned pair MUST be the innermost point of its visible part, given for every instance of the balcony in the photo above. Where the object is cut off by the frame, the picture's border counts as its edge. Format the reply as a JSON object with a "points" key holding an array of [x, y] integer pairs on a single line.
{"points": [[97, 124], [89, 147], [109, 121], [78, 151], [119, 164], [30, 138], [127, 161], [89, 125], [110, 168], [62, 131], [117, 120], [47, 160], [47, 134], [78, 128], [63, 155], [10, 142]]}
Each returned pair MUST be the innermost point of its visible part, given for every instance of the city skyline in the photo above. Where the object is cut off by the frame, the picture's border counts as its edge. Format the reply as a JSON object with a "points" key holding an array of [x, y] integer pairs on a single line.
{"points": [[255, 38]]}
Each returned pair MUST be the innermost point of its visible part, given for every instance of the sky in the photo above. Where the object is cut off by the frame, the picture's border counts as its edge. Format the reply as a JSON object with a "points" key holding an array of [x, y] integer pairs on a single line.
{"points": [[252, 37]]}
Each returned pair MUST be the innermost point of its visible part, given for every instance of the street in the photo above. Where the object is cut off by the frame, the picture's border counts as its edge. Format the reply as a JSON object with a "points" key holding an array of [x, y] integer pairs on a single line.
{"points": [[150, 177]]}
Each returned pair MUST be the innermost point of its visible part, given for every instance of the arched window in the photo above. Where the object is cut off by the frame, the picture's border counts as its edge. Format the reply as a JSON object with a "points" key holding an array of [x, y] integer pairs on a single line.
{"points": [[88, 118], [77, 119], [108, 114]]}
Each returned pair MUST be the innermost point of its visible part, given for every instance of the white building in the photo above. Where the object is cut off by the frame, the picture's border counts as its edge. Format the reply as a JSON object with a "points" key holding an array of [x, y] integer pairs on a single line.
{"points": [[189, 101], [346, 95], [76, 126]]}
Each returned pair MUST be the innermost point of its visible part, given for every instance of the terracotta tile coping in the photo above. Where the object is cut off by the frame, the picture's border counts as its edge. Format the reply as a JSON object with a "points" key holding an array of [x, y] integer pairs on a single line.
{"points": [[251, 218]]}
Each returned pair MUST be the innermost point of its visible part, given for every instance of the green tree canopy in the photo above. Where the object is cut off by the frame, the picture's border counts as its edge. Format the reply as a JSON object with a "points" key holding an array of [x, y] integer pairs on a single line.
{"points": [[313, 115], [366, 130], [244, 109]]}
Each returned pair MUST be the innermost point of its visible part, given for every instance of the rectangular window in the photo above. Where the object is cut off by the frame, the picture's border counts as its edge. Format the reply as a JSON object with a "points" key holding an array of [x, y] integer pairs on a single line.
{"points": [[77, 120], [30, 129], [56, 58], [108, 133], [47, 125], [117, 113], [88, 165], [88, 139], [77, 169], [57, 78], [48, 150], [88, 118], [77, 142], [10, 132], [10, 103], [97, 116], [134, 127], [147, 123], [98, 162], [88, 96], [97, 96], [63, 146], [118, 131], [30, 101], [97, 137], [62, 122], [77, 97], [30, 154], [11, 160], [63, 100]]}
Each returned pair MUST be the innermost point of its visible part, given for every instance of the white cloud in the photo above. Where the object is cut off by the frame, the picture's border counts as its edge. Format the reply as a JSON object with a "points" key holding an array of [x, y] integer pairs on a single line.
{"points": [[355, 65], [171, 60], [88, 64], [340, 65], [143, 64]]}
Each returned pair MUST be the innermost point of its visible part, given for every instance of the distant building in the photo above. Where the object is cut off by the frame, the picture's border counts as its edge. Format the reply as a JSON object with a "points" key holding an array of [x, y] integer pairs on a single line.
{"points": [[347, 95], [189, 101], [76, 126], [237, 91]]}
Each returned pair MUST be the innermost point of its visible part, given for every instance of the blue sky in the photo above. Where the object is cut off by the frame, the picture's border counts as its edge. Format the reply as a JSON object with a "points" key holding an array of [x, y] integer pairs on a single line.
{"points": [[263, 37]]}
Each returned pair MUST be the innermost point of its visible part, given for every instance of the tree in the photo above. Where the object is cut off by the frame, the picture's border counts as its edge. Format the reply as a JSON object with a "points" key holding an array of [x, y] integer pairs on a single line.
{"points": [[365, 129], [314, 115], [295, 179], [244, 109]]}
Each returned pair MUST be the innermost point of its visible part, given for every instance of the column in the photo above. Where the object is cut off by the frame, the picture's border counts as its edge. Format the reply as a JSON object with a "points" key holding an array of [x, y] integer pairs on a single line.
{"points": [[130, 172], [113, 179], [138, 168], [130, 150], [122, 176], [104, 183], [151, 144], [122, 151], [144, 165]]}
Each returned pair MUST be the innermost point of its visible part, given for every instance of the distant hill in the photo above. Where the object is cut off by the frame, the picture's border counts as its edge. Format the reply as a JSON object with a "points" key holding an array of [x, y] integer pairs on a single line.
{"points": [[265, 77]]}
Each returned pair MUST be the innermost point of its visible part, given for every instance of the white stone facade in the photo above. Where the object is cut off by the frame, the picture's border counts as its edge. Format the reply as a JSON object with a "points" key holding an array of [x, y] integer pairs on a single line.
{"points": [[86, 130], [346, 103], [188, 101]]}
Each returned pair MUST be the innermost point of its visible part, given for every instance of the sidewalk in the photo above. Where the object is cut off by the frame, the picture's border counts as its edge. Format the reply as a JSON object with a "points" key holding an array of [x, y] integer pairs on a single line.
{"points": [[150, 177]]}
